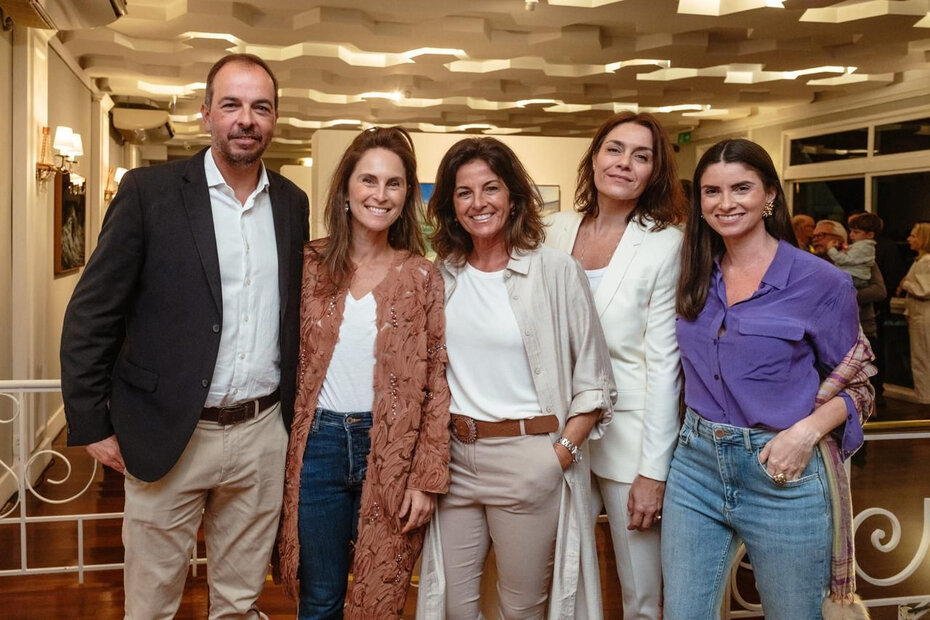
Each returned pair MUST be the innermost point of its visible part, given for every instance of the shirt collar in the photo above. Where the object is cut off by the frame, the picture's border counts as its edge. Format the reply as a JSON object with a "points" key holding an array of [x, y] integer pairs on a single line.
{"points": [[519, 263], [777, 274], [215, 177]]}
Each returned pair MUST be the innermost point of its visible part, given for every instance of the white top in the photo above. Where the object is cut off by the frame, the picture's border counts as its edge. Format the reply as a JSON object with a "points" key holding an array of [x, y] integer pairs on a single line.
{"points": [[917, 280], [488, 371], [350, 378], [248, 364], [594, 277]]}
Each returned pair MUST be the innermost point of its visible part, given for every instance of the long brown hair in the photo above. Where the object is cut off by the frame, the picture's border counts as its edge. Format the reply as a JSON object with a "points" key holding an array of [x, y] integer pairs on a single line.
{"points": [[524, 228], [663, 201], [404, 233], [702, 244]]}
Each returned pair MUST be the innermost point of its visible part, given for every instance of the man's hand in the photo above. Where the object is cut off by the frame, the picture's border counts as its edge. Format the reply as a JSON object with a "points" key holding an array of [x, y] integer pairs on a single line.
{"points": [[107, 452]]}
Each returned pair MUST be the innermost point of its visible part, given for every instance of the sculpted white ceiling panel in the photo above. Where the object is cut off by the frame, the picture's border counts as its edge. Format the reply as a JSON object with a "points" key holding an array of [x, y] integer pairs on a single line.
{"points": [[491, 66]]}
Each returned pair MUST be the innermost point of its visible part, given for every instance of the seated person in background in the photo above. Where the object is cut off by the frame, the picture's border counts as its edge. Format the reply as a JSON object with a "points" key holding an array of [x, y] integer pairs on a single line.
{"points": [[858, 257], [803, 226]]}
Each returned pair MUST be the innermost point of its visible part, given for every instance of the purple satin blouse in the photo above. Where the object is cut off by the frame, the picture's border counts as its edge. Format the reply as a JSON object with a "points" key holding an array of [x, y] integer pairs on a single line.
{"points": [[758, 363]]}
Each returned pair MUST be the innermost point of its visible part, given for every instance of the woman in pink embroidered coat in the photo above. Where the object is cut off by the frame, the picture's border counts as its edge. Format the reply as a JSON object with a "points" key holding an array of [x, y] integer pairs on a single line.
{"points": [[369, 444]]}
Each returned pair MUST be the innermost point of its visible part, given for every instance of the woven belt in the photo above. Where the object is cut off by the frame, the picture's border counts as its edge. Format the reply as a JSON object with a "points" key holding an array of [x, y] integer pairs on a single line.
{"points": [[468, 430], [234, 414]]}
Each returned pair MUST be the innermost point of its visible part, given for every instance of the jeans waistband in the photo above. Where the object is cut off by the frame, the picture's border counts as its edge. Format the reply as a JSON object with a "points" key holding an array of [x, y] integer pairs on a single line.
{"points": [[342, 419], [751, 438]]}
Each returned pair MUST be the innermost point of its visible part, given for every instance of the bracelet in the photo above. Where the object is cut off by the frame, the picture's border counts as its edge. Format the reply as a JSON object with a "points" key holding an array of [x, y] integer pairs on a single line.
{"points": [[574, 450]]}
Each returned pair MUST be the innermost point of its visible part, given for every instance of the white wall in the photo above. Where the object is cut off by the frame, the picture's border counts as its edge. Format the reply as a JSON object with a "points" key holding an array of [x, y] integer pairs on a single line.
{"points": [[550, 161], [6, 235]]}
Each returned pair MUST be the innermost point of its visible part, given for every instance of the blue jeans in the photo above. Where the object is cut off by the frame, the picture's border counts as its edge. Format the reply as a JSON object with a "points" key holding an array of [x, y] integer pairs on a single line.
{"points": [[719, 494], [335, 462]]}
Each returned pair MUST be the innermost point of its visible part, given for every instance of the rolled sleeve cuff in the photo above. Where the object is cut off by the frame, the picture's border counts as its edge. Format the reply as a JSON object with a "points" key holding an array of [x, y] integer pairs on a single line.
{"points": [[849, 435], [592, 400]]}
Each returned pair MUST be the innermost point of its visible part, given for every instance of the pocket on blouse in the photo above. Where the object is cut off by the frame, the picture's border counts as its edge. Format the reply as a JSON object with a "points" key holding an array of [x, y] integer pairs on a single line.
{"points": [[770, 344]]}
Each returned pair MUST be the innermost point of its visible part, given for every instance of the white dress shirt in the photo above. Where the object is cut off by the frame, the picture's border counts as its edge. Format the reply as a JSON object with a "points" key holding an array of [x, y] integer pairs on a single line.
{"points": [[248, 364]]}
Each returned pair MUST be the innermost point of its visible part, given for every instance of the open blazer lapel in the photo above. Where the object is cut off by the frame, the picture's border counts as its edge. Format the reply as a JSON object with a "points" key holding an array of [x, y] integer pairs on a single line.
{"points": [[196, 197], [618, 266], [282, 232]]}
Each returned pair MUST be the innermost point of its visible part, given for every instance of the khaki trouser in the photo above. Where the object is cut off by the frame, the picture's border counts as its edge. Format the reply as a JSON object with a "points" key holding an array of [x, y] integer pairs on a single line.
{"points": [[506, 490], [234, 477]]}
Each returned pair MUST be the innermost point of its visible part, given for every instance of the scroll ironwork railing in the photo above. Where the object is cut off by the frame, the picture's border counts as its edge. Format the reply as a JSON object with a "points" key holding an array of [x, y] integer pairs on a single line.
{"points": [[15, 512]]}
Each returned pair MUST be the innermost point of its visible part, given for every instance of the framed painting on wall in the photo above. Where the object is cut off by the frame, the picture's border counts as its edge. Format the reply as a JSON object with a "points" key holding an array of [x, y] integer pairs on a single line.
{"points": [[70, 215], [551, 194]]}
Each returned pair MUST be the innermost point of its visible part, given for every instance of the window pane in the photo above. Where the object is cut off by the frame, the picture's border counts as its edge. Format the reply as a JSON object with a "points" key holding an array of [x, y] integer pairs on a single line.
{"points": [[903, 137], [900, 200], [829, 200], [830, 147]]}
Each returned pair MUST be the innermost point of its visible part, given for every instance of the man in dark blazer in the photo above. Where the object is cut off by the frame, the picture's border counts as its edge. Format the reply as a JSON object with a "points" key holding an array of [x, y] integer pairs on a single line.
{"points": [[179, 351]]}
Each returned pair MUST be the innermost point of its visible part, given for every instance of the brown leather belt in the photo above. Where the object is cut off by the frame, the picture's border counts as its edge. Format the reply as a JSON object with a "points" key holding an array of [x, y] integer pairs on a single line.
{"points": [[234, 414], [468, 430]]}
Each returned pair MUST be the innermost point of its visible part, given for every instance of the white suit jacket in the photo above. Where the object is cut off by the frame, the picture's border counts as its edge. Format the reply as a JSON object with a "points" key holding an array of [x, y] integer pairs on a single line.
{"points": [[636, 304]]}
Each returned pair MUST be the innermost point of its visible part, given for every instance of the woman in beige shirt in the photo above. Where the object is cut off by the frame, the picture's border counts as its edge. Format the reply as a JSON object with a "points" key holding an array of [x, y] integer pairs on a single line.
{"points": [[917, 286], [530, 380], [369, 445]]}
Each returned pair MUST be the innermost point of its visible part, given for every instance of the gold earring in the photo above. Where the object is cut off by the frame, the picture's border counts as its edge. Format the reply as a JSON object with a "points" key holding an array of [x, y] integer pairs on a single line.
{"points": [[767, 209]]}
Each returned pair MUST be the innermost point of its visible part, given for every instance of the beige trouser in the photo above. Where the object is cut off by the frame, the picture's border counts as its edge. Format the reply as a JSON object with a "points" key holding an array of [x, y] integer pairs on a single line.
{"points": [[918, 325], [234, 477], [638, 554], [506, 490]]}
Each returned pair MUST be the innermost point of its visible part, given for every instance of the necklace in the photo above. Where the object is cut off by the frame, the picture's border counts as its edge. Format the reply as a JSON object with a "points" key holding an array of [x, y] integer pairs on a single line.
{"points": [[589, 233]]}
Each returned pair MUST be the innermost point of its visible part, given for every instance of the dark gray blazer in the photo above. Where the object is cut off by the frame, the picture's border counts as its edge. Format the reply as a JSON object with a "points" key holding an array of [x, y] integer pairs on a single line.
{"points": [[142, 330]]}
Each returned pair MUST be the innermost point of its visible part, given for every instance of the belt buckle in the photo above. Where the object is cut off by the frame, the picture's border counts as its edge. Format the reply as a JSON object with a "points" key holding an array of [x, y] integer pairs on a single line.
{"points": [[234, 415], [463, 429]]}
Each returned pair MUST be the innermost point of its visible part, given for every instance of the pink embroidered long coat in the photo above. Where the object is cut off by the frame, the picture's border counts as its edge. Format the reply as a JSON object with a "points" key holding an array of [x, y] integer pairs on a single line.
{"points": [[410, 430]]}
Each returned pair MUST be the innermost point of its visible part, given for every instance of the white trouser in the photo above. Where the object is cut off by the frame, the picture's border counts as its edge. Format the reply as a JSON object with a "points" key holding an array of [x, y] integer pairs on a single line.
{"points": [[638, 554]]}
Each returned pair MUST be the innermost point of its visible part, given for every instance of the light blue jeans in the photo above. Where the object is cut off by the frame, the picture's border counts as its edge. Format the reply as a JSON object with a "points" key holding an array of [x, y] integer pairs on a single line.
{"points": [[718, 494]]}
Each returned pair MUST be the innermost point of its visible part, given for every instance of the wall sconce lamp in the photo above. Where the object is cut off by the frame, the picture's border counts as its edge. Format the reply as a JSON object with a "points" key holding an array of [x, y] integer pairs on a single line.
{"points": [[114, 176], [69, 145]]}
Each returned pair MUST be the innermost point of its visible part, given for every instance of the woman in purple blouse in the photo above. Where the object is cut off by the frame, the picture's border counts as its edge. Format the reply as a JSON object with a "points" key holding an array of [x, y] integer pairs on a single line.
{"points": [[760, 323]]}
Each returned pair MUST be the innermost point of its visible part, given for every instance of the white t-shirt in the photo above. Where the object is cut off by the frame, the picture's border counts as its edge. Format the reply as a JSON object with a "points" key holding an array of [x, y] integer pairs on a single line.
{"points": [[488, 371], [349, 382], [594, 277]]}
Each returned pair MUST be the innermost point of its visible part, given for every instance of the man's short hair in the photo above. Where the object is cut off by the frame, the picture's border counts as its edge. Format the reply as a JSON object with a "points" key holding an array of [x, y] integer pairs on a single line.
{"points": [[867, 222], [248, 59], [833, 227]]}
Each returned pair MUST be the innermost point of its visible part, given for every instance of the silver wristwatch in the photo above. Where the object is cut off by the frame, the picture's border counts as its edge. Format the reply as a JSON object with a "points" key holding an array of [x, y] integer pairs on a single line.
{"points": [[572, 448]]}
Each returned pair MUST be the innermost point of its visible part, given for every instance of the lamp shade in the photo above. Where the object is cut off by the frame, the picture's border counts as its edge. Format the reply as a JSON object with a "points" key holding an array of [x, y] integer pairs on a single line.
{"points": [[64, 139], [77, 146]]}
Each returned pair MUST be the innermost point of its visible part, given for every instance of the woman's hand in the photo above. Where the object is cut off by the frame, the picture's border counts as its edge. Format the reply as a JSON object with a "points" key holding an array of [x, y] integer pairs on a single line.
{"points": [[790, 451], [417, 507], [564, 456], [644, 505]]}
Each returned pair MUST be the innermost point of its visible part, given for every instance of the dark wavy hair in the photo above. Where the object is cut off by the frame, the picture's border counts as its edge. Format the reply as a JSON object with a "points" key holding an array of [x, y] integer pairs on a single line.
{"points": [[663, 201], [404, 233], [702, 244], [524, 228]]}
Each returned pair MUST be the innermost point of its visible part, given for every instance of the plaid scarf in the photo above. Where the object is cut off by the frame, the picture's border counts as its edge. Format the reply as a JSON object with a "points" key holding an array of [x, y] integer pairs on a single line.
{"points": [[852, 377]]}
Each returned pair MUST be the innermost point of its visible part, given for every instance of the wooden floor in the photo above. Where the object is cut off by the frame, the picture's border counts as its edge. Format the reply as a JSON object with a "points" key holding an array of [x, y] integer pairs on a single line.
{"points": [[893, 476]]}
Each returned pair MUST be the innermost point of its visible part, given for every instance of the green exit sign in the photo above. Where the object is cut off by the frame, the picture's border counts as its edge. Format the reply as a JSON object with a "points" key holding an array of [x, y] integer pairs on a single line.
{"points": [[684, 137]]}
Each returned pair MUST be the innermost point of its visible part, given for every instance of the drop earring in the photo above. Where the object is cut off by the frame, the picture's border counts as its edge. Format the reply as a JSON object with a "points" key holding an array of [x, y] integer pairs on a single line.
{"points": [[347, 206]]}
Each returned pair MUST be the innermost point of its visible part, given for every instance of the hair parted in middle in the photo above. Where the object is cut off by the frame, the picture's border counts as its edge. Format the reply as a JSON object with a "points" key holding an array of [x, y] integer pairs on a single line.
{"points": [[404, 233], [663, 200], [702, 244], [524, 227]]}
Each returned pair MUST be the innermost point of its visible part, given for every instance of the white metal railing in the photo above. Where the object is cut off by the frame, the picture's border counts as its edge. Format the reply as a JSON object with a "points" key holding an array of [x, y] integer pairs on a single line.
{"points": [[16, 513], [23, 459], [909, 607]]}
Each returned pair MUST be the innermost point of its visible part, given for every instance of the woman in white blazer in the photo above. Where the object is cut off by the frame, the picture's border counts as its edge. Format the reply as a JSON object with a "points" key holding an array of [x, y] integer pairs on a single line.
{"points": [[624, 233]]}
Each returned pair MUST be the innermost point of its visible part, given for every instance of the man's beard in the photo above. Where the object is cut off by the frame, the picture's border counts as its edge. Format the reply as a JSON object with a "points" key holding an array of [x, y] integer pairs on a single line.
{"points": [[242, 159]]}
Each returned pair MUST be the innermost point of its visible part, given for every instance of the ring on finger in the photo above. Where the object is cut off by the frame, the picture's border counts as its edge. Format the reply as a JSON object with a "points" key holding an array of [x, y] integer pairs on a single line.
{"points": [[780, 478]]}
